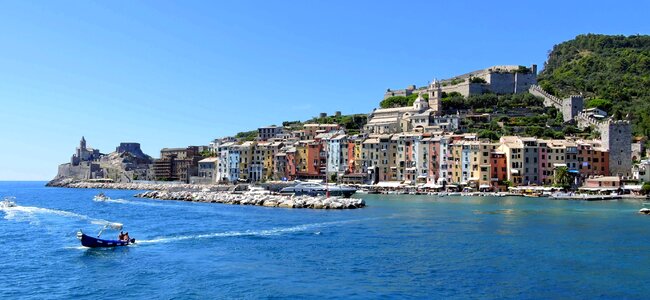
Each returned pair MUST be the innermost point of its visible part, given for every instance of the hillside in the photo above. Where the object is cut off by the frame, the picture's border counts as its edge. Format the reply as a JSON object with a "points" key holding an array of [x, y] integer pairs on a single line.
{"points": [[612, 72]]}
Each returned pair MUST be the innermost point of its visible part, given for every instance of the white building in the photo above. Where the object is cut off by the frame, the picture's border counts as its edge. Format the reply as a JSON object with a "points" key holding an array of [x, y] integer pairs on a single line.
{"points": [[641, 171]]}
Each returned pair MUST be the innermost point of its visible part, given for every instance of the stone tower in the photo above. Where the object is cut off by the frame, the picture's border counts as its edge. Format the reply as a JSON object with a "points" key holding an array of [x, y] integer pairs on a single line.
{"points": [[571, 107], [435, 96], [616, 137]]}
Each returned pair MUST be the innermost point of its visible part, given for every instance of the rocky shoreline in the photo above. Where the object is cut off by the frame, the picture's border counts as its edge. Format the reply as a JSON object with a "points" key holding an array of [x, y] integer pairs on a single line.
{"points": [[136, 186], [258, 200], [215, 194]]}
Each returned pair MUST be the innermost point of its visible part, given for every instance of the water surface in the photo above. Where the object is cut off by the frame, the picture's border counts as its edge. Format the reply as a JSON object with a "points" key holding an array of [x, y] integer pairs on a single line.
{"points": [[396, 247]]}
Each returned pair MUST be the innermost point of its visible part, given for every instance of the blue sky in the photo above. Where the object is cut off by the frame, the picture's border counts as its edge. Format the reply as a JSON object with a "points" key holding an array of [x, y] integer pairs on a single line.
{"points": [[172, 74]]}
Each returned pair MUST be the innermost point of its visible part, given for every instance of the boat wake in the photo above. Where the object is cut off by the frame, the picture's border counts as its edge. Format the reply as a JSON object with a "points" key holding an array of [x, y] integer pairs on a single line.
{"points": [[267, 232], [30, 213], [140, 203]]}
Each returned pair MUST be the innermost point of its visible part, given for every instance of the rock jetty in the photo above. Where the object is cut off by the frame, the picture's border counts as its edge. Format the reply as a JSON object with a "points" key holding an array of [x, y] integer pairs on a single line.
{"points": [[259, 200], [137, 186]]}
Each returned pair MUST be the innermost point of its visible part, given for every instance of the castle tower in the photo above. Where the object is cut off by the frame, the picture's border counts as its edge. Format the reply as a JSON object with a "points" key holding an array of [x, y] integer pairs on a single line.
{"points": [[435, 96], [82, 143], [616, 137], [571, 107]]}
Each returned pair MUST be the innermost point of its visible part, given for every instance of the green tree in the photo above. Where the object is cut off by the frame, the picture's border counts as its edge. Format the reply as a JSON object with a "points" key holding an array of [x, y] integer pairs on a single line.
{"points": [[562, 177], [645, 189], [488, 134], [603, 104], [247, 135]]}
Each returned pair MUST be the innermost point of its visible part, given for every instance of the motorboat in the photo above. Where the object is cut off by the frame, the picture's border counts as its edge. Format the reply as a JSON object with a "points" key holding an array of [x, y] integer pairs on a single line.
{"points": [[256, 190], [644, 211], [98, 242], [316, 189], [100, 197], [8, 202]]}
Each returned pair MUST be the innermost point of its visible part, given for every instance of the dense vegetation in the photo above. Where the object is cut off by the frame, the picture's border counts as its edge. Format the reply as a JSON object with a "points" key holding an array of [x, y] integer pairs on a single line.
{"points": [[456, 101], [247, 135], [612, 72], [352, 123], [400, 101]]}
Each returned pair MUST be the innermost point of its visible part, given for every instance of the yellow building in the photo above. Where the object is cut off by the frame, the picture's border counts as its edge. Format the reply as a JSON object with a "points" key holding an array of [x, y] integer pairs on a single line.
{"points": [[513, 147]]}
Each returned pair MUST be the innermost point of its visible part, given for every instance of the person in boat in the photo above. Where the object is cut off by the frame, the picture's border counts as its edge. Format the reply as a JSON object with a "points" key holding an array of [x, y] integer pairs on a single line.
{"points": [[126, 237], [120, 237]]}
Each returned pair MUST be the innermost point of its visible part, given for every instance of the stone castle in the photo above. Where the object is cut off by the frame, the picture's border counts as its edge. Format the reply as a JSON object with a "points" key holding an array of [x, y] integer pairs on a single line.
{"points": [[126, 164], [507, 79]]}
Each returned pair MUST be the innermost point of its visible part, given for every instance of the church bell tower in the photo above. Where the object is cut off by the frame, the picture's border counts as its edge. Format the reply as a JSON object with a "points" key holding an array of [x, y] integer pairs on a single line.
{"points": [[435, 96]]}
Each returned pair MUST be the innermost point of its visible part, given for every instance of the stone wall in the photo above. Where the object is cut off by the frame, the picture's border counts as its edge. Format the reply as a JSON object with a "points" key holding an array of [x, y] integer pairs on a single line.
{"points": [[549, 100], [83, 171], [464, 88]]}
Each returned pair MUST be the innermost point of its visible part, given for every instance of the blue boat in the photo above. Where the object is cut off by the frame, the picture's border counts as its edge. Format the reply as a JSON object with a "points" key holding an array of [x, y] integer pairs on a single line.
{"points": [[97, 242]]}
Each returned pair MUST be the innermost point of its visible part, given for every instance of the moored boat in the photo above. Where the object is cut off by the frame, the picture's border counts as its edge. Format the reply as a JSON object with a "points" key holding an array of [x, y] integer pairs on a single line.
{"points": [[315, 189]]}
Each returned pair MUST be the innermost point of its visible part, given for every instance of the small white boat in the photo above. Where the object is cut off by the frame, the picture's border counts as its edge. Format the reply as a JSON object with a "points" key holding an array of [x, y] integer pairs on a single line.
{"points": [[8, 202], [256, 190], [100, 197], [644, 211]]}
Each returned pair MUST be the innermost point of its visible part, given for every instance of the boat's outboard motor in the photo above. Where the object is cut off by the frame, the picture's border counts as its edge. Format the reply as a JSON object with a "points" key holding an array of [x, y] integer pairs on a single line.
{"points": [[132, 241]]}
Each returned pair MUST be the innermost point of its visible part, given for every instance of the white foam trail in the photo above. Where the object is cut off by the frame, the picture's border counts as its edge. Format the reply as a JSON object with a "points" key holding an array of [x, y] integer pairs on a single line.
{"points": [[141, 203], [76, 247], [267, 232], [29, 211]]}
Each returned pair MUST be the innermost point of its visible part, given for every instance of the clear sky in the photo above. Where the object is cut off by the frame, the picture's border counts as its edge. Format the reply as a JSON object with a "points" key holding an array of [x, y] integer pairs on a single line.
{"points": [[172, 74]]}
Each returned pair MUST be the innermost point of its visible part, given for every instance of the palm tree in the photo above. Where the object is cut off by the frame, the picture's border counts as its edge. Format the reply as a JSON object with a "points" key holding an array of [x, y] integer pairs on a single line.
{"points": [[562, 177]]}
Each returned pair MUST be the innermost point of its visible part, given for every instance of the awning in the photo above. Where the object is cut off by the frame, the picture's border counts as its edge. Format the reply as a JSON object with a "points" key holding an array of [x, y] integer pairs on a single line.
{"points": [[388, 184], [432, 186], [598, 188], [632, 187], [484, 186]]}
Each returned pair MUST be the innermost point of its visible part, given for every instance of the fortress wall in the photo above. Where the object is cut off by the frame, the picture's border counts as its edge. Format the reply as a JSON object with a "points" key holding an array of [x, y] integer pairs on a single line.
{"points": [[507, 83], [525, 81], [464, 88]]}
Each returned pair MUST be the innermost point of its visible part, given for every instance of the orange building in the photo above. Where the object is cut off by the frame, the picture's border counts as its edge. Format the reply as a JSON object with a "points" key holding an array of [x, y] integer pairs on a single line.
{"points": [[498, 170], [592, 160]]}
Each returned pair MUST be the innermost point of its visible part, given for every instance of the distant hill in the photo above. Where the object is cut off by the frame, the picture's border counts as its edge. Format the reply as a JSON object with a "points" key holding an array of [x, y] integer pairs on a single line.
{"points": [[612, 72]]}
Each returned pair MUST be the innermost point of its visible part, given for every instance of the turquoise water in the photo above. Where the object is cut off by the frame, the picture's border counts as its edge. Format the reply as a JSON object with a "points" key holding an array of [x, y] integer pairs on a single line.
{"points": [[396, 247]]}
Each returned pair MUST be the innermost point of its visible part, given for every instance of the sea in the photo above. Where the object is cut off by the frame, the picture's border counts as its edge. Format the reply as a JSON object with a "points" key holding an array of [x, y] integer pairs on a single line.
{"points": [[398, 247]]}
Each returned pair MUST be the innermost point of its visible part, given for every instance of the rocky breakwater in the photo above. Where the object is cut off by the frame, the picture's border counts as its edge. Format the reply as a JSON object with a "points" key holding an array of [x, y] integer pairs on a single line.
{"points": [[259, 200], [138, 186]]}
